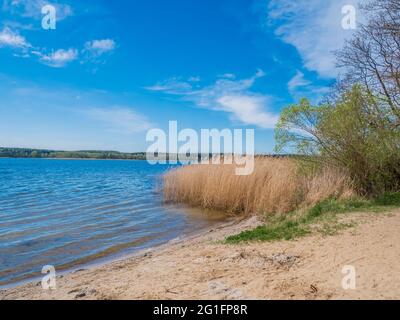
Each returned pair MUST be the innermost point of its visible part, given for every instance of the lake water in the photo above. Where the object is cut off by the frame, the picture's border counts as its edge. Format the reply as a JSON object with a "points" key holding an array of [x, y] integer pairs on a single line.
{"points": [[70, 212]]}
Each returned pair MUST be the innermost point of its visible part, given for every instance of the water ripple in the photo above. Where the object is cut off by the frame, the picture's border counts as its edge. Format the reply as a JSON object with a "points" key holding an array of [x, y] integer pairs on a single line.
{"points": [[67, 212]]}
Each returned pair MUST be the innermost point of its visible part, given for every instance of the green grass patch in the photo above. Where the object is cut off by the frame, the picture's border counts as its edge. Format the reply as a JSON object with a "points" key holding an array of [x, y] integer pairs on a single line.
{"points": [[388, 199], [282, 231], [323, 214]]}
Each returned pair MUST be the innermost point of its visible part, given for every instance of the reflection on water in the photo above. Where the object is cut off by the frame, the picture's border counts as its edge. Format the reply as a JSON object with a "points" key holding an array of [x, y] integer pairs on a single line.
{"points": [[69, 212]]}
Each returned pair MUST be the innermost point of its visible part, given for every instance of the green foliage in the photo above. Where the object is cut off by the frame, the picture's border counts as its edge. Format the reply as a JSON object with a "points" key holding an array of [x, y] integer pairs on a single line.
{"points": [[283, 231], [349, 134], [389, 199], [334, 206], [303, 117], [297, 224]]}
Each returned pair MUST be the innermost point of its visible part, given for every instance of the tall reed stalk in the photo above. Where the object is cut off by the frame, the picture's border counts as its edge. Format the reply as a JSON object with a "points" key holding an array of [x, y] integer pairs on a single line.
{"points": [[276, 186]]}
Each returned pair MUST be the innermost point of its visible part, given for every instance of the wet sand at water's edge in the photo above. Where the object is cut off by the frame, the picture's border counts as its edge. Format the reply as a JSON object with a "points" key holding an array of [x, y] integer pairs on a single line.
{"points": [[202, 267]]}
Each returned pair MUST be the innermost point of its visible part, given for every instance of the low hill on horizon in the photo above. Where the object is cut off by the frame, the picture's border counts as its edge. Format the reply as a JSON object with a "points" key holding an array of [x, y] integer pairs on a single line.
{"points": [[80, 154]]}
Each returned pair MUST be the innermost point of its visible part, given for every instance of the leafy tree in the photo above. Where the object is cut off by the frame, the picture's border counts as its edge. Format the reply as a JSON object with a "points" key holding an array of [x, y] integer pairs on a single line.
{"points": [[358, 128], [347, 135]]}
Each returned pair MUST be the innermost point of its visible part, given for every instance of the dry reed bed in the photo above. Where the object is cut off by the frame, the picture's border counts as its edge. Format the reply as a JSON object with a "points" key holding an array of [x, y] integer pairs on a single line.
{"points": [[275, 186]]}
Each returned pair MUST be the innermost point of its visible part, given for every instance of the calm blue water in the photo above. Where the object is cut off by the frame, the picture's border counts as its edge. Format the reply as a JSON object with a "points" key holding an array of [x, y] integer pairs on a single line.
{"points": [[69, 212]]}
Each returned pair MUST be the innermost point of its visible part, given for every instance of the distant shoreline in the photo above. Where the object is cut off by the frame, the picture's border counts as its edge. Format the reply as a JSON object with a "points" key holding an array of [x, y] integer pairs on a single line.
{"points": [[26, 153], [86, 159], [6, 152]]}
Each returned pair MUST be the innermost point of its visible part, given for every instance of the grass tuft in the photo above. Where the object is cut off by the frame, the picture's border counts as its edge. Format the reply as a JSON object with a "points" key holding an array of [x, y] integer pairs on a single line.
{"points": [[298, 224], [389, 199], [282, 231]]}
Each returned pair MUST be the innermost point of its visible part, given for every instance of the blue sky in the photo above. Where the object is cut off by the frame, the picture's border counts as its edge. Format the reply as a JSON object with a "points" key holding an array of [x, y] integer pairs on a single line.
{"points": [[112, 70]]}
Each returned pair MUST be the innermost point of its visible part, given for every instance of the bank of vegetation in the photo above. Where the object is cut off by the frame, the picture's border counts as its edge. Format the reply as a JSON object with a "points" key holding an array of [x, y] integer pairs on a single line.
{"points": [[349, 145], [275, 186], [40, 153]]}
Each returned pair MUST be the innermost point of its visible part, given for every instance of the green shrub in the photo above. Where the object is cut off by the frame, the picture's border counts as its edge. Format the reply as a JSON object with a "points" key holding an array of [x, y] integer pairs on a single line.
{"points": [[347, 134], [388, 199]]}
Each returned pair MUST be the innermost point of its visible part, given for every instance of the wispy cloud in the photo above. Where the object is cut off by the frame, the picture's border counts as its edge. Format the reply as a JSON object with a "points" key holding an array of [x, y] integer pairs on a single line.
{"points": [[10, 38], [120, 119], [58, 58], [174, 85], [54, 58], [16, 25], [95, 51], [300, 87], [227, 95], [314, 28], [33, 8], [26, 10], [249, 109], [67, 118], [228, 76], [298, 81], [99, 47]]}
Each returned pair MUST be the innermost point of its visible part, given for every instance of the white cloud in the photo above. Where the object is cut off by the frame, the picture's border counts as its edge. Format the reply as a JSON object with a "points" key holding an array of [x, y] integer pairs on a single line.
{"points": [[121, 119], [33, 8], [58, 58], [228, 76], [300, 87], [99, 47], [209, 95], [298, 81], [10, 38], [249, 110], [16, 25], [226, 95], [173, 85], [314, 28]]}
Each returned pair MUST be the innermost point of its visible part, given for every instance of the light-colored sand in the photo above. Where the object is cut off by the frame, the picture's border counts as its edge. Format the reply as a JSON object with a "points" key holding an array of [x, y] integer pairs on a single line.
{"points": [[203, 268]]}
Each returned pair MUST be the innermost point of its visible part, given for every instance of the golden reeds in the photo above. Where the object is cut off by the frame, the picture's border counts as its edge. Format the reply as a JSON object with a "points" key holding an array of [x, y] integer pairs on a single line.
{"points": [[275, 186]]}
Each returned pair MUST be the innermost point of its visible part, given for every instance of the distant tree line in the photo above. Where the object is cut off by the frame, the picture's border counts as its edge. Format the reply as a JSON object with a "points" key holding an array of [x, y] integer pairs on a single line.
{"points": [[90, 154], [93, 154]]}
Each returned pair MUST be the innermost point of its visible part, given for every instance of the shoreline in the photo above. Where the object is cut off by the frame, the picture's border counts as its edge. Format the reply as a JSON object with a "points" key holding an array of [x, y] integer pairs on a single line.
{"points": [[202, 267], [123, 255]]}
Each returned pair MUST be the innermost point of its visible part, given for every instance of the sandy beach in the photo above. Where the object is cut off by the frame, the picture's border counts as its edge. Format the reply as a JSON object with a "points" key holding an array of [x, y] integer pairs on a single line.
{"points": [[202, 267]]}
